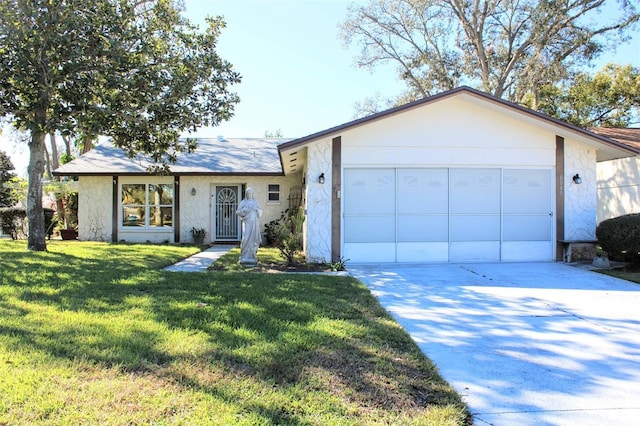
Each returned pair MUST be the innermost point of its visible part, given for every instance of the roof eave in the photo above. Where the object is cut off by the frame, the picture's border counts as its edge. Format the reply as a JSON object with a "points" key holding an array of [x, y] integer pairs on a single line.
{"points": [[117, 173]]}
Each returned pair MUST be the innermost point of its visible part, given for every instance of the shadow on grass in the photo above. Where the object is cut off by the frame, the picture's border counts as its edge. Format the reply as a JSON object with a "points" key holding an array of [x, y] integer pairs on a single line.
{"points": [[296, 332]]}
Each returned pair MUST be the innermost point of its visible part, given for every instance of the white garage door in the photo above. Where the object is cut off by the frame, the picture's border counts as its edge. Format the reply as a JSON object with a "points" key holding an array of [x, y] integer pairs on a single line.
{"points": [[440, 214]]}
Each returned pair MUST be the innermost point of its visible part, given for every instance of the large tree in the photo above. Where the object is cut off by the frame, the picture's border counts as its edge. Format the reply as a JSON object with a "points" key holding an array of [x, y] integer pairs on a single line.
{"points": [[609, 98], [504, 47], [134, 70]]}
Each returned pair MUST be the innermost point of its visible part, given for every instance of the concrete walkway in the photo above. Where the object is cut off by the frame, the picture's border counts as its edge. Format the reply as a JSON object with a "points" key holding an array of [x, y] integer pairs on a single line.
{"points": [[199, 262], [524, 343]]}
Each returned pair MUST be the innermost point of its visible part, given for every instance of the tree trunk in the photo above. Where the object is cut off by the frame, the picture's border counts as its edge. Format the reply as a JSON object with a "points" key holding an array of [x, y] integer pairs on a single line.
{"points": [[67, 145], [54, 152], [35, 214], [47, 162], [87, 145]]}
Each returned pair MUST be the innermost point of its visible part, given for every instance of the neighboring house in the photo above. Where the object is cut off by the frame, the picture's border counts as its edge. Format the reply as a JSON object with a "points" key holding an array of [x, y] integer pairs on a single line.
{"points": [[460, 176], [619, 180]]}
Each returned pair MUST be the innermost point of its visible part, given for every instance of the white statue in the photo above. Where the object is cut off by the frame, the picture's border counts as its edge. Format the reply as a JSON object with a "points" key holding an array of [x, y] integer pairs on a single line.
{"points": [[250, 212]]}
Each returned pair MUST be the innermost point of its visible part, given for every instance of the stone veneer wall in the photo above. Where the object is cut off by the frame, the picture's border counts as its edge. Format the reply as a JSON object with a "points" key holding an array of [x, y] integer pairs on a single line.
{"points": [[580, 200], [318, 221]]}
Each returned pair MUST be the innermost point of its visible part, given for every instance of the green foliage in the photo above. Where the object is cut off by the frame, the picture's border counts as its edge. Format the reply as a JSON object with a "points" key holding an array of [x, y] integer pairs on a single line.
{"points": [[286, 233], [506, 48], [8, 197], [136, 71], [274, 134], [12, 220], [338, 265], [198, 235], [198, 231], [97, 333], [65, 158], [620, 237], [609, 98]]}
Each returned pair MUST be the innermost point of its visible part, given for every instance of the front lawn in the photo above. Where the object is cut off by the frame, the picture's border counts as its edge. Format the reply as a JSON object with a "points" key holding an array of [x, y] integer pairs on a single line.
{"points": [[626, 273], [97, 333]]}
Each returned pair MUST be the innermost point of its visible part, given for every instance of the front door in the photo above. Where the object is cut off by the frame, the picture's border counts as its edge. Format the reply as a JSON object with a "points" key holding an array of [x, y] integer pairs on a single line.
{"points": [[226, 221]]}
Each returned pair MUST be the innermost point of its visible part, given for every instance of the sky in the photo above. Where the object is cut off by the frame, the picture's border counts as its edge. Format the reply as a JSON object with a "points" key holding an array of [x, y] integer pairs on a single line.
{"points": [[297, 75]]}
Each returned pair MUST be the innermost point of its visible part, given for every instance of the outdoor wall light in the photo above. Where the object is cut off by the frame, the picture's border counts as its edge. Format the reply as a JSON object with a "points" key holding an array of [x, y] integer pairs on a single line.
{"points": [[577, 179], [321, 179], [193, 191]]}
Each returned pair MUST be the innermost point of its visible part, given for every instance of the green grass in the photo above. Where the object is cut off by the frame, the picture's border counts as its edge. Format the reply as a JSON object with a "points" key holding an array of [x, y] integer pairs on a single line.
{"points": [[97, 333], [629, 274], [270, 259]]}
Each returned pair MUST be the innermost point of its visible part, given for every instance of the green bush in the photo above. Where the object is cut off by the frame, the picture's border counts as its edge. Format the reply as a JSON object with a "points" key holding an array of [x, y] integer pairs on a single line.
{"points": [[620, 237], [13, 220], [286, 233]]}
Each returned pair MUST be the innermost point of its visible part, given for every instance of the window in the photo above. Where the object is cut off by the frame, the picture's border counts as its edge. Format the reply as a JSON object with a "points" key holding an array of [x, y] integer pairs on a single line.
{"points": [[147, 205], [273, 193]]}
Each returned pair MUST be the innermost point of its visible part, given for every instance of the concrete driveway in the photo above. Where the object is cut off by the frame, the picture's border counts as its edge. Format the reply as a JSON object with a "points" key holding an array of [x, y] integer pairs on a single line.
{"points": [[524, 343]]}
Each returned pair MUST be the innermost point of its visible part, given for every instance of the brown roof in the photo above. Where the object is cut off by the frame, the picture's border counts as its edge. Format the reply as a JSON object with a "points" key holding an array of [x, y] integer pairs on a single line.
{"points": [[627, 135]]}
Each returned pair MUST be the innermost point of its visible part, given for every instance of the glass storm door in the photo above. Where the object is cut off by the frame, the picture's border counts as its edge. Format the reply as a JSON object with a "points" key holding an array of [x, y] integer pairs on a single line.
{"points": [[226, 221]]}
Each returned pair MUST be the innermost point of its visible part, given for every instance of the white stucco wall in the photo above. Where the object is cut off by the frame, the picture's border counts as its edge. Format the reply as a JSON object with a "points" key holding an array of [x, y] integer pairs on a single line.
{"points": [[318, 196], [196, 210], [580, 200], [94, 208], [618, 187], [454, 132], [95, 205]]}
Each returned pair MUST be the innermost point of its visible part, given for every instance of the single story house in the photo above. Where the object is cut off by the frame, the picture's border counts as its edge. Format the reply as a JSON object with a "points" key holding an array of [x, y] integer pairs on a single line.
{"points": [[619, 179], [459, 176]]}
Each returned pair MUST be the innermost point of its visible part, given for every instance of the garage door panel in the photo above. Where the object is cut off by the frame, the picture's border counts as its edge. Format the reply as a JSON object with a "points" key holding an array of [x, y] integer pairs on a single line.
{"points": [[369, 229], [370, 252], [526, 251], [475, 228], [475, 251], [423, 191], [475, 191], [423, 252], [526, 191], [422, 228], [526, 228], [370, 191]]}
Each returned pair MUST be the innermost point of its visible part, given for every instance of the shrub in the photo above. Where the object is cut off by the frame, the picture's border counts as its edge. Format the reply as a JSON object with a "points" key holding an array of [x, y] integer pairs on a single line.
{"points": [[13, 221], [286, 233], [620, 237]]}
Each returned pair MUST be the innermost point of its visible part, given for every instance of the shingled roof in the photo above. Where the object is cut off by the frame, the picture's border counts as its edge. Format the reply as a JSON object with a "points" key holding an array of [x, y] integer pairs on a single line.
{"points": [[212, 157], [627, 135]]}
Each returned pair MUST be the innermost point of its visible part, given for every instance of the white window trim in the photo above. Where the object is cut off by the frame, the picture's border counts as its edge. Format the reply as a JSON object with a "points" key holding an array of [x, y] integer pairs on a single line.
{"points": [[146, 228], [279, 192]]}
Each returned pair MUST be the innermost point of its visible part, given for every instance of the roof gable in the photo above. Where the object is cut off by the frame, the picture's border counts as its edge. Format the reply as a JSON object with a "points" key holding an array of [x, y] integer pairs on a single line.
{"points": [[607, 148]]}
